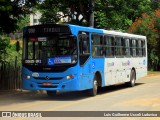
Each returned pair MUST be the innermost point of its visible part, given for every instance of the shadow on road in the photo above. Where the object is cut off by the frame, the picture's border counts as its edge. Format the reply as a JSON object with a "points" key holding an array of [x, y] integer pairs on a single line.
{"points": [[113, 88], [25, 97]]}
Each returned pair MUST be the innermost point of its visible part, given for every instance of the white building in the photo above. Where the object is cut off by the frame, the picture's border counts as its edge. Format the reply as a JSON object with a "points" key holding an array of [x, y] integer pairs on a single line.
{"points": [[34, 18]]}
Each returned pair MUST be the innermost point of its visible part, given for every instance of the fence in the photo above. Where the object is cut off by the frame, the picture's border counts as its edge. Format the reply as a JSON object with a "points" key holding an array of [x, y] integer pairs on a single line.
{"points": [[10, 76]]}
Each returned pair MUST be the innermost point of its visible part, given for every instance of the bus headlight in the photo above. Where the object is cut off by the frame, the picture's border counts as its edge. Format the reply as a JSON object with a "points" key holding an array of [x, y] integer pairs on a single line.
{"points": [[69, 77], [27, 76]]}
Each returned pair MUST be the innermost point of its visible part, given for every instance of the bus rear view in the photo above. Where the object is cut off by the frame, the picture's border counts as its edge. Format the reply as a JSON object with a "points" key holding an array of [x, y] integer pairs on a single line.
{"points": [[49, 58]]}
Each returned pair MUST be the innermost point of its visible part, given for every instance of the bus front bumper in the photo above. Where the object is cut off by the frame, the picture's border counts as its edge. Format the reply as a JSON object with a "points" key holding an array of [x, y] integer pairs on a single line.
{"points": [[66, 85]]}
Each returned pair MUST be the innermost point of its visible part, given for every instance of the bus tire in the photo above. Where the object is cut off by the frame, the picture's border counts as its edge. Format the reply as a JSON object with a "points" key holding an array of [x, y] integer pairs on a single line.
{"points": [[131, 83], [51, 93], [93, 91]]}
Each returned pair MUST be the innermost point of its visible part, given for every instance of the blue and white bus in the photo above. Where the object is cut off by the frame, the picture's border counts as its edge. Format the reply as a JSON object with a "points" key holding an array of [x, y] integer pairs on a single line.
{"points": [[74, 58]]}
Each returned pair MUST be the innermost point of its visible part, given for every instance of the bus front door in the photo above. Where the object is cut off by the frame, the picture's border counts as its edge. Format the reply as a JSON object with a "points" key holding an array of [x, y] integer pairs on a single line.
{"points": [[84, 61]]}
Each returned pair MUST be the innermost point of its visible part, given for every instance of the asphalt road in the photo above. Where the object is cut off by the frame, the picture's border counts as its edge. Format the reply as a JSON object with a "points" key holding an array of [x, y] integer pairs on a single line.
{"points": [[145, 96]]}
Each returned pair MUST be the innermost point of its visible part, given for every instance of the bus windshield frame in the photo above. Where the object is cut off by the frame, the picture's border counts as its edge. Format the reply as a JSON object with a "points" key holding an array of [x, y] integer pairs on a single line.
{"points": [[55, 50]]}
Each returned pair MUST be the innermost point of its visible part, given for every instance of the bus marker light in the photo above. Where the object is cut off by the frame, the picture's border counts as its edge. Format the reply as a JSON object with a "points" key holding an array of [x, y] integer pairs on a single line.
{"points": [[69, 77], [72, 76], [27, 76]]}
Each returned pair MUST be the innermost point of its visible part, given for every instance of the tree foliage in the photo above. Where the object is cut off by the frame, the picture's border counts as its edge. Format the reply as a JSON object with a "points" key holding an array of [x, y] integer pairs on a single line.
{"points": [[149, 25], [109, 14], [77, 11], [24, 21], [4, 43], [11, 11]]}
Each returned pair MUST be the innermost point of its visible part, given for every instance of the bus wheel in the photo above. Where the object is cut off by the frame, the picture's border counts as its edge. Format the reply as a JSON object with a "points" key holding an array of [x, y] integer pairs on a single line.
{"points": [[132, 79], [93, 91], [51, 93]]}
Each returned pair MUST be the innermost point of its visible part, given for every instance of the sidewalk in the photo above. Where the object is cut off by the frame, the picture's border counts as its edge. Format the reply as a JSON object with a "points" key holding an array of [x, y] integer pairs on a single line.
{"points": [[15, 92], [19, 92]]}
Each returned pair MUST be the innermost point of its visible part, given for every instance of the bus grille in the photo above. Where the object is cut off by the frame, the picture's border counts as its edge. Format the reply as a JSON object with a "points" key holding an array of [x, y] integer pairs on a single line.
{"points": [[47, 86], [48, 78]]}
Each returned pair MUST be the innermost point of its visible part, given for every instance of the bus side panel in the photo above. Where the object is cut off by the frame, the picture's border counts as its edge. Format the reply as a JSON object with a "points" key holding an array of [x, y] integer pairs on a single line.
{"points": [[114, 71], [88, 71], [108, 71], [118, 70], [141, 67], [98, 66], [85, 76]]}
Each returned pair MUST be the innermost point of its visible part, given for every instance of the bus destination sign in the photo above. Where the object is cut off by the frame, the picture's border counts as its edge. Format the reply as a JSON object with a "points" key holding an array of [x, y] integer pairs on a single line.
{"points": [[41, 30], [46, 30]]}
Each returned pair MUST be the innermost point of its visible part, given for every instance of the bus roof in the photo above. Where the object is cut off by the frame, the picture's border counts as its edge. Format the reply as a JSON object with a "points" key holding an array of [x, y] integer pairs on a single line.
{"points": [[117, 33], [76, 28]]}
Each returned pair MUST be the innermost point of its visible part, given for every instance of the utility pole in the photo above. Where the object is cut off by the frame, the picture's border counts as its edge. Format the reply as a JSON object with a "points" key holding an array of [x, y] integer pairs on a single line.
{"points": [[91, 20]]}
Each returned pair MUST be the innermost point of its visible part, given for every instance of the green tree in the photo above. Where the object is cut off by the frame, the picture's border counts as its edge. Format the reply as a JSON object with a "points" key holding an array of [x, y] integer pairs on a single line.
{"points": [[109, 14], [119, 14], [149, 25], [4, 43], [76, 11], [11, 11], [24, 21]]}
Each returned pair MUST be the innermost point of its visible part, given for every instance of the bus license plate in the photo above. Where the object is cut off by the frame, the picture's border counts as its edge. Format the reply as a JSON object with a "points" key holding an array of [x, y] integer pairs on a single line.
{"points": [[47, 84]]}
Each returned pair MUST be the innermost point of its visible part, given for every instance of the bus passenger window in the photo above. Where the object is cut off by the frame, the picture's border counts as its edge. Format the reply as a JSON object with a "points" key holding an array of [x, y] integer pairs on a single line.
{"points": [[139, 48], [126, 47], [85, 47], [109, 46], [84, 44], [97, 45], [119, 46], [134, 48], [143, 49]]}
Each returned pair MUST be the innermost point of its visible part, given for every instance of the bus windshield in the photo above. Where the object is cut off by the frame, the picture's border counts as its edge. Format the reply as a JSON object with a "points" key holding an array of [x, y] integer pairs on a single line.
{"points": [[53, 50]]}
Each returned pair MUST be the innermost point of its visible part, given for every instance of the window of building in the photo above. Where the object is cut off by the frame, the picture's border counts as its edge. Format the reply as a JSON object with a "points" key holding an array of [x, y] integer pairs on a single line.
{"points": [[35, 20]]}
